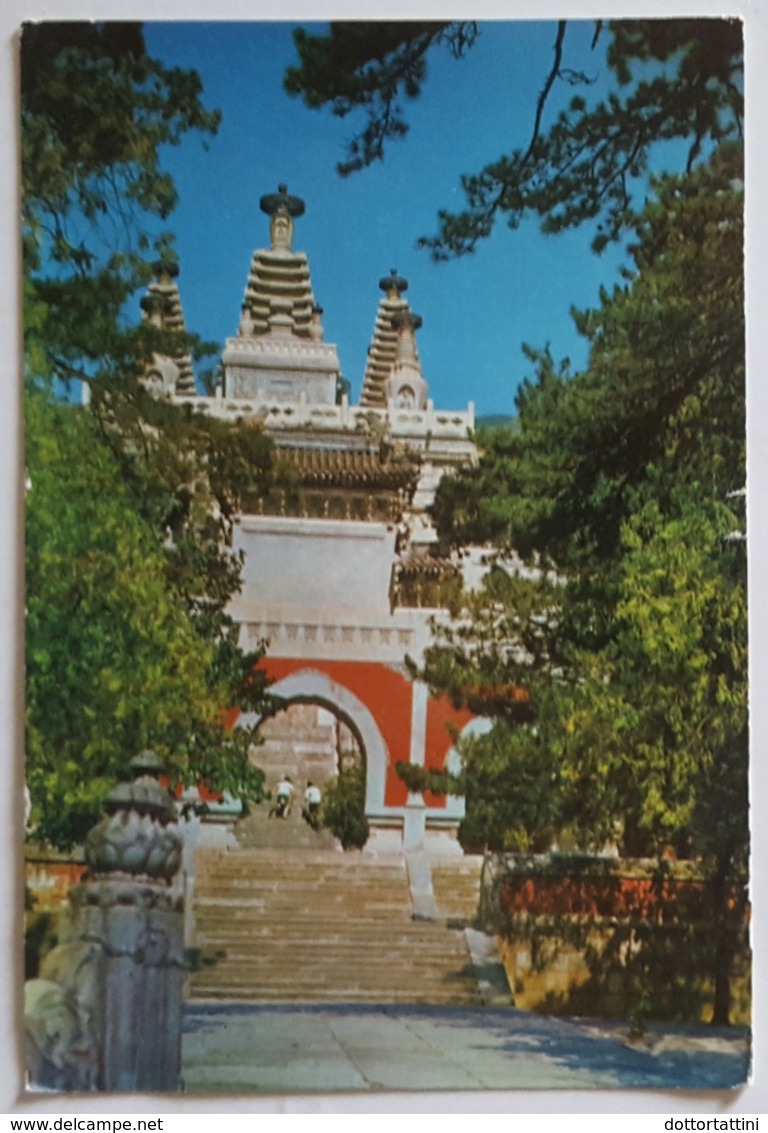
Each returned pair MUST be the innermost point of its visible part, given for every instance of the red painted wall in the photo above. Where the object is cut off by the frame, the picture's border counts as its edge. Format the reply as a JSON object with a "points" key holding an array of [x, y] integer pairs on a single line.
{"points": [[668, 900], [442, 720], [49, 882], [386, 694]]}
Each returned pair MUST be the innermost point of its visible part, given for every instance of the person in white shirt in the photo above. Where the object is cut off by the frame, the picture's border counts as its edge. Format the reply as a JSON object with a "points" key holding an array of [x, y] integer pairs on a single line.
{"points": [[312, 800], [283, 798]]}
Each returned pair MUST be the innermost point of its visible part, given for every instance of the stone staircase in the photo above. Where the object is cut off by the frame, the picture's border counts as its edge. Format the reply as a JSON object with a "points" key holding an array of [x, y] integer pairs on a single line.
{"points": [[258, 831], [308, 924], [456, 886], [297, 743]]}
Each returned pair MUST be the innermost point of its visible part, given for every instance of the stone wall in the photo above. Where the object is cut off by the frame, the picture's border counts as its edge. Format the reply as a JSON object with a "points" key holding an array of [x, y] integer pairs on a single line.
{"points": [[294, 564], [614, 938]]}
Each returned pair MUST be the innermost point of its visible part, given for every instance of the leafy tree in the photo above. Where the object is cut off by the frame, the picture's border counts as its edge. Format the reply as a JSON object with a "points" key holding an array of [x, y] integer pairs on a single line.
{"points": [[620, 488], [187, 475], [343, 811], [655, 422], [676, 79], [664, 389], [114, 662], [96, 114]]}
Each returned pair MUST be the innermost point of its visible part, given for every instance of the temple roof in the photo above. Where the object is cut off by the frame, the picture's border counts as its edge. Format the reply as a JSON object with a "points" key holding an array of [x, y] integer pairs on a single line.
{"points": [[382, 353], [322, 467]]}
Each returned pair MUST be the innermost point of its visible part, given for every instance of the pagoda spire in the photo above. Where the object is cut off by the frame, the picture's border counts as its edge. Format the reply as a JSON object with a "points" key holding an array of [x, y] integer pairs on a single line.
{"points": [[161, 307], [278, 297], [382, 353], [406, 386], [279, 352]]}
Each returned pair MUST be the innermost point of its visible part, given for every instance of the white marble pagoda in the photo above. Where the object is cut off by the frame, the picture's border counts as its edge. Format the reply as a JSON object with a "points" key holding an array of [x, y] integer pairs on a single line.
{"points": [[379, 461], [341, 565]]}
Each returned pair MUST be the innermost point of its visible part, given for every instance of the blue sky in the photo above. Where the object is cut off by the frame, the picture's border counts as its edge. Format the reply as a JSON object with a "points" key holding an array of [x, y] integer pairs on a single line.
{"points": [[478, 311]]}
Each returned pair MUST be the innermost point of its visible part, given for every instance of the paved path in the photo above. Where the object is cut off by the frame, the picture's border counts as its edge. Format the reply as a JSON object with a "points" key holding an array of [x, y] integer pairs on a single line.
{"points": [[240, 1048]]}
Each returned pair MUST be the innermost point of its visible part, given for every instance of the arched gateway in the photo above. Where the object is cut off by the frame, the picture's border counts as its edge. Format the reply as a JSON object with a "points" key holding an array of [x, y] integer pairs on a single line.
{"points": [[392, 718], [341, 568], [311, 686]]}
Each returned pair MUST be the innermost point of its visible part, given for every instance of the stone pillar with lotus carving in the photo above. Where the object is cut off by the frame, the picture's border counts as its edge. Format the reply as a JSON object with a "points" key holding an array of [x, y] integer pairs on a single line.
{"points": [[119, 978]]}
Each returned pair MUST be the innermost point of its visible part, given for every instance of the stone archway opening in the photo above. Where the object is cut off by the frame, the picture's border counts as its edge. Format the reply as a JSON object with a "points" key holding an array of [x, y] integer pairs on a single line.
{"points": [[352, 737], [310, 742]]}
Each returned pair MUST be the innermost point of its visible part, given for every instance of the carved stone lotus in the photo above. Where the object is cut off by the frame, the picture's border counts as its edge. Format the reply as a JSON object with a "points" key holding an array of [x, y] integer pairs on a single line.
{"points": [[138, 835]]}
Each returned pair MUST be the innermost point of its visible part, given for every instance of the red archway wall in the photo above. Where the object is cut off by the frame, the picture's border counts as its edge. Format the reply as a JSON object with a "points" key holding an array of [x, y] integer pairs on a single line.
{"points": [[389, 697], [443, 723]]}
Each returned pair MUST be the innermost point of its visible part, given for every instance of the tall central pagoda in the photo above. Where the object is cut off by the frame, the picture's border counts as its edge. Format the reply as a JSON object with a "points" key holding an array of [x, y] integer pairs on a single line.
{"points": [[279, 354]]}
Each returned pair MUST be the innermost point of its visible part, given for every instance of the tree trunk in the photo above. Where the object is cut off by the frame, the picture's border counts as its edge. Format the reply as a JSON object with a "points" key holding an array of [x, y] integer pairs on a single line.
{"points": [[724, 952]]}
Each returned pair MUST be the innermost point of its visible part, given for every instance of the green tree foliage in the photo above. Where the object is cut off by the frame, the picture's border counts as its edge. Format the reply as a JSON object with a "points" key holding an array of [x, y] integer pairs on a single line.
{"points": [[621, 486], [186, 475], [676, 79], [114, 663], [343, 811], [96, 114], [664, 389]]}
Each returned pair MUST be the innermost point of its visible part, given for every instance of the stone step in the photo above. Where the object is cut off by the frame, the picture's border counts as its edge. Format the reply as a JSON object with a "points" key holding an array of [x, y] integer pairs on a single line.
{"points": [[317, 875], [303, 856], [308, 881], [360, 857], [283, 911], [310, 874], [266, 913], [343, 989], [299, 898], [452, 968], [326, 938], [272, 926], [456, 886], [311, 924], [328, 951], [452, 972], [248, 890], [299, 730]]}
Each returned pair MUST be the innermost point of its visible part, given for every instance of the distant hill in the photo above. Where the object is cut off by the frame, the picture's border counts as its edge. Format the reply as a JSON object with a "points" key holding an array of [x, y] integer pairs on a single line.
{"points": [[497, 421]]}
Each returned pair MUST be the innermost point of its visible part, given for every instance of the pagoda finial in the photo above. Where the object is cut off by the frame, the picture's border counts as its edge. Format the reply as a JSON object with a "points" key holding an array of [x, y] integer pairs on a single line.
{"points": [[393, 284], [165, 270], [281, 208]]}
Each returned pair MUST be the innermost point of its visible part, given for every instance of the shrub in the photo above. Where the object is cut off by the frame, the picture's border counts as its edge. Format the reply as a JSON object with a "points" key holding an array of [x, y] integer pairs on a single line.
{"points": [[344, 809]]}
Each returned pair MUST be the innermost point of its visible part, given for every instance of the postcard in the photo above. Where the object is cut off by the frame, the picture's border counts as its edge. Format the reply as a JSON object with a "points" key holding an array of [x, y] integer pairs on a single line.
{"points": [[387, 712]]}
